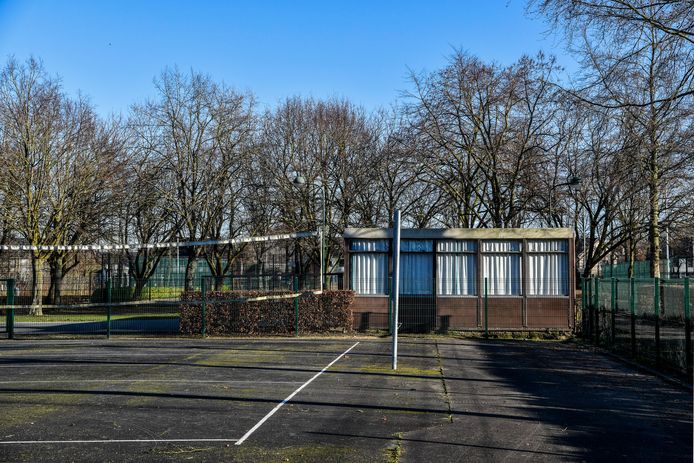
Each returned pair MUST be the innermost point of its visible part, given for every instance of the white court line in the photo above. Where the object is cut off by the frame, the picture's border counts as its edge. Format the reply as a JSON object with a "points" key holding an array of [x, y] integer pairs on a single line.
{"points": [[127, 381], [290, 396], [108, 441]]}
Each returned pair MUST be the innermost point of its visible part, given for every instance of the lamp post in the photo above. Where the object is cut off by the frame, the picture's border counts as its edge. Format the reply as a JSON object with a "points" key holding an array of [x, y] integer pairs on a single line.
{"points": [[299, 181]]}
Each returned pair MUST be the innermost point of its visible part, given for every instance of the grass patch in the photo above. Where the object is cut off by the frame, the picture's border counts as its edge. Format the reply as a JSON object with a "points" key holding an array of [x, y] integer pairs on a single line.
{"points": [[303, 453], [18, 410], [394, 453], [231, 357], [402, 370], [179, 451], [546, 335]]}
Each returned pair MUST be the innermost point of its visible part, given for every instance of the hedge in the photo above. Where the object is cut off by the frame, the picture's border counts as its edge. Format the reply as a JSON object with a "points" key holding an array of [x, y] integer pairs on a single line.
{"points": [[230, 312]]}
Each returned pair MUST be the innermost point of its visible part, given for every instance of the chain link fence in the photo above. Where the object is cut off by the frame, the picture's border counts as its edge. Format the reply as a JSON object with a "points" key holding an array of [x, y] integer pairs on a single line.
{"points": [[648, 319], [123, 306]]}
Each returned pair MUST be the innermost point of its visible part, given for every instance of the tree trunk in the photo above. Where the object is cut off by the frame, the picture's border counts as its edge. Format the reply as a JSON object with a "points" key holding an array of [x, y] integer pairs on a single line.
{"points": [[54, 293], [37, 285], [654, 171], [654, 229], [631, 249], [139, 286], [190, 271]]}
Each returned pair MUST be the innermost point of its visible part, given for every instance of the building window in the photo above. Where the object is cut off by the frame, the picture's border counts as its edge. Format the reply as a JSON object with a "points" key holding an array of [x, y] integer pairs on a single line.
{"points": [[456, 264], [502, 267], [548, 268], [369, 267], [416, 267]]}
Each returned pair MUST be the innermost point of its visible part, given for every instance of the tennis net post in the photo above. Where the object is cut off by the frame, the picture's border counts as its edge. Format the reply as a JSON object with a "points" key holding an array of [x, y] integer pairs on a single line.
{"points": [[9, 314], [203, 305], [109, 299]]}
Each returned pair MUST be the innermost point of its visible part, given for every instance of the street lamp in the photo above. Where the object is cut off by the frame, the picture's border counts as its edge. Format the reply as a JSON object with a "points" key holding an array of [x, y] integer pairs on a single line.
{"points": [[300, 181]]}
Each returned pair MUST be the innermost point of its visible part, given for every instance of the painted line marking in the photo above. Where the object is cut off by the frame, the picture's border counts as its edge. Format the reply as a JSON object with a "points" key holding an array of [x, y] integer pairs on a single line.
{"points": [[108, 441], [290, 396], [128, 381]]}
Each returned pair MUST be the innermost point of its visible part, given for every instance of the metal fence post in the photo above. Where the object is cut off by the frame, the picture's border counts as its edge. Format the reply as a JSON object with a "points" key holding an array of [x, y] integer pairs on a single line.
{"points": [[613, 309], [109, 299], [656, 309], [10, 309], [632, 309], [688, 330], [583, 306], [589, 305], [596, 298], [203, 306], [296, 307], [486, 308]]}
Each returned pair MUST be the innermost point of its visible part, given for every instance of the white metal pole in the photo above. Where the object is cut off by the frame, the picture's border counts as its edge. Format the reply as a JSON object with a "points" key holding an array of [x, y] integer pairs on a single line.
{"points": [[322, 236], [396, 284], [322, 271], [667, 251]]}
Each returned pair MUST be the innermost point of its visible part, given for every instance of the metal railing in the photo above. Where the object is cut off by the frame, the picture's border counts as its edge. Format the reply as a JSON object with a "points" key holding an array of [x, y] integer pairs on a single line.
{"points": [[648, 319]]}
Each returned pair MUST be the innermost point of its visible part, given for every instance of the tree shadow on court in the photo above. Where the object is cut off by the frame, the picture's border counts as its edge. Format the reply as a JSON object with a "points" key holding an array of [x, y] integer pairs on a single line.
{"points": [[274, 368], [593, 404]]}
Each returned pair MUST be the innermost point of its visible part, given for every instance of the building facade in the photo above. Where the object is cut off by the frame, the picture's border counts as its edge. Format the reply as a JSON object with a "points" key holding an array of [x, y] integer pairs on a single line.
{"points": [[464, 279]]}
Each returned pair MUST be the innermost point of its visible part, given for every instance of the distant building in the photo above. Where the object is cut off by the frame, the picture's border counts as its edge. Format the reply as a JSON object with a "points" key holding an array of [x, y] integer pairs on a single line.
{"points": [[528, 275]]}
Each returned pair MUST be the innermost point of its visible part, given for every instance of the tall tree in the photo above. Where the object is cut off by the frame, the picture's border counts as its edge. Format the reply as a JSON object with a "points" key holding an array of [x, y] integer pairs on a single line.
{"points": [[482, 131], [55, 166], [197, 130], [638, 56]]}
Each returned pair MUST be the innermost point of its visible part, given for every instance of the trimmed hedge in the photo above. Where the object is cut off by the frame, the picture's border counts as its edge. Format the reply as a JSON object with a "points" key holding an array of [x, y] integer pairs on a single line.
{"points": [[229, 312]]}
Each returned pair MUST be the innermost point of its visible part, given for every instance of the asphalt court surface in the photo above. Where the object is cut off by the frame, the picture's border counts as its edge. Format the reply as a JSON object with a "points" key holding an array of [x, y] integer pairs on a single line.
{"points": [[332, 400]]}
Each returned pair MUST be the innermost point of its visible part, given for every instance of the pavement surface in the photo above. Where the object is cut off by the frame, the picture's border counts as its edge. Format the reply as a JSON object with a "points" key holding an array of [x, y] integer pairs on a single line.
{"points": [[335, 399]]}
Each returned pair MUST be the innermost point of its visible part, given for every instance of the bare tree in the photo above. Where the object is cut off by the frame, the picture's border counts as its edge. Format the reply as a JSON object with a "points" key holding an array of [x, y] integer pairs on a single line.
{"points": [[482, 134], [56, 165], [144, 216], [330, 144], [197, 130], [638, 56]]}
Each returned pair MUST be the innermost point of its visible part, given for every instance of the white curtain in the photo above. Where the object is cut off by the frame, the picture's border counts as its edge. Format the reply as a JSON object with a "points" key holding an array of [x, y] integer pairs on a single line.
{"points": [[456, 246], [416, 274], [369, 273], [503, 274], [455, 274], [502, 246], [548, 275], [548, 246], [369, 245]]}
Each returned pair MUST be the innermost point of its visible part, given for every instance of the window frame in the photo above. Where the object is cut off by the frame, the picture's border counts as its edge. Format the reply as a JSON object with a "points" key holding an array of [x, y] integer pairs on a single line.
{"points": [[432, 254], [351, 252], [565, 253], [473, 252], [521, 264]]}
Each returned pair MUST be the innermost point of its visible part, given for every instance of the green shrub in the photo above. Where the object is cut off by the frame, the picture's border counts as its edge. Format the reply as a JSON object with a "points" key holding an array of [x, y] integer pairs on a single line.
{"points": [[230, 312]]}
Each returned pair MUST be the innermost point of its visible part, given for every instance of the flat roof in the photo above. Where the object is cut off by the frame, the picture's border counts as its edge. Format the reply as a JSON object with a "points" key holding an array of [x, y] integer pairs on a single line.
{"points": [[461, 233]]}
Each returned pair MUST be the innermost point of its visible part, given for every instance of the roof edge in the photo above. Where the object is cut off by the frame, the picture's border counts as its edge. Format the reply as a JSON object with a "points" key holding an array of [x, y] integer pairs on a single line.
{"points": [[461, 233]]}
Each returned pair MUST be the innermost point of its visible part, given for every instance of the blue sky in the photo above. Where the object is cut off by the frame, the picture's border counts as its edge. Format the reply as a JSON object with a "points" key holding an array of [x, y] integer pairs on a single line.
{"points": [[361, 50]]}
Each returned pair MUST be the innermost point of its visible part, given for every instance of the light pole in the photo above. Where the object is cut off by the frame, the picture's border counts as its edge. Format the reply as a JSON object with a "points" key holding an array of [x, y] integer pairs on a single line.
{"points": [[299, 181]]}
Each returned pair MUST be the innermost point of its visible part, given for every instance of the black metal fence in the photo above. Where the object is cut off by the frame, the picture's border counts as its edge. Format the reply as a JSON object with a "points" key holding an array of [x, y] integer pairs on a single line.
{"points": [[648, 319], [120, 306]]}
